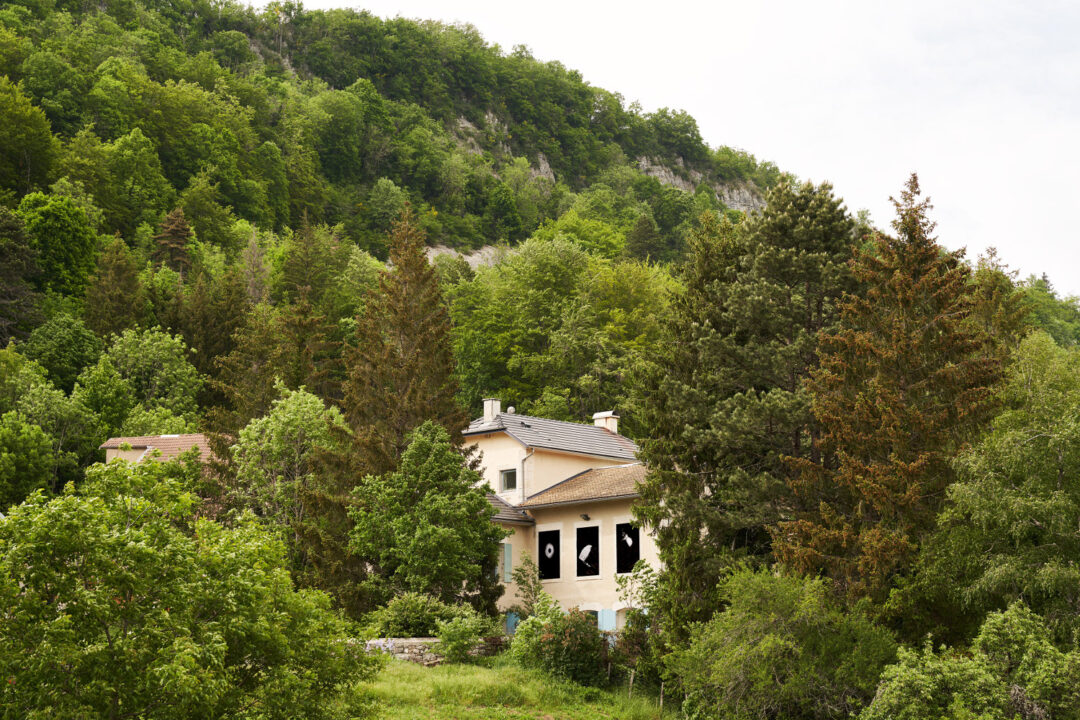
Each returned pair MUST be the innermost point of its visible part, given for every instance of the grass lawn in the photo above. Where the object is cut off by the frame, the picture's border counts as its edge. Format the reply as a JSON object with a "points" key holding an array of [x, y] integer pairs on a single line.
{"points": [[469, 692]]}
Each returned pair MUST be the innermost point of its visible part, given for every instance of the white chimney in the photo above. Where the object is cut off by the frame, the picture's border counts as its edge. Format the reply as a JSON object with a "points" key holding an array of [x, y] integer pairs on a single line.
{"points": [[607, 419], [492, 407]]}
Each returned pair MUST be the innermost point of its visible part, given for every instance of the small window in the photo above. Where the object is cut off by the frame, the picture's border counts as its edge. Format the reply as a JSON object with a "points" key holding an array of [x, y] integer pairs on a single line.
{"points": [[507, 562], [627, 547], [548, 564], [508, 479], [588, 551]]}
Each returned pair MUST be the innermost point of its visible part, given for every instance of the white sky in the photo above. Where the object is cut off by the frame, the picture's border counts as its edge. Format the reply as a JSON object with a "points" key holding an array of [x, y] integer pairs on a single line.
{"points": [[981, 98]]}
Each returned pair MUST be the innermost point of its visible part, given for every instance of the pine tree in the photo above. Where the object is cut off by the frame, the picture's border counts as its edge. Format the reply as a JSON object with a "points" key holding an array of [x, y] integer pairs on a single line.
{"points": [[114, 296], [18, 267], [728, 405], [171, 242], [903, 383], [401, 371]]}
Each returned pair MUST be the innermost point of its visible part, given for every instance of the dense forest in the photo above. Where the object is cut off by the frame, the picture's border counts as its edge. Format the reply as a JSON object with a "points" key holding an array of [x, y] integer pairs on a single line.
{"points": [[260, 225]]}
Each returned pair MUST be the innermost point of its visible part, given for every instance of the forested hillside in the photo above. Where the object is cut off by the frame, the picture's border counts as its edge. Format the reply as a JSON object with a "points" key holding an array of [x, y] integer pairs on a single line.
{"points": [[218, 219]]}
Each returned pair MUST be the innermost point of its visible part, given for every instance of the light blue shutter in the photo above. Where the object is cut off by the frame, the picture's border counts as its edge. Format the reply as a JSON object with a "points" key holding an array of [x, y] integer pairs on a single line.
{"points": [[605, 620], [508, 562]]}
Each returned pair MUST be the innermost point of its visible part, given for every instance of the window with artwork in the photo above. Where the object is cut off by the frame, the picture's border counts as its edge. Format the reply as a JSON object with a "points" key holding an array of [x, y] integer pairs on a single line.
{"points": [[627, 547], [548, 562], [508, 479], [588, 551]]}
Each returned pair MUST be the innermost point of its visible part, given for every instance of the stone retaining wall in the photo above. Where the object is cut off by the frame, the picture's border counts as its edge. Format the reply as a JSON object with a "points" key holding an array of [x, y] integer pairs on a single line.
{"points": [[425, 651]]}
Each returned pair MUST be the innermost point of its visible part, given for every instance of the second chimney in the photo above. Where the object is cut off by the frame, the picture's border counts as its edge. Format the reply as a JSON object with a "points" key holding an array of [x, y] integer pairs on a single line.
{"points": [[607, 419], [492, 407]]}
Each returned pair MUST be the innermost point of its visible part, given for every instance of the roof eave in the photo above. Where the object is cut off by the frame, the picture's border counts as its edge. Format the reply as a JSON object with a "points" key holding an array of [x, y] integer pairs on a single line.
{"points": [[582, 501]]}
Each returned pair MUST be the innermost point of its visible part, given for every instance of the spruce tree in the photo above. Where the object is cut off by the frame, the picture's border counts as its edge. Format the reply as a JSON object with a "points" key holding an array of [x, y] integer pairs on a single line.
{"points": [[18, 268], [644, 241], [401, 371], [903, 383], [114, 296], [171, 242], [727, 406]]}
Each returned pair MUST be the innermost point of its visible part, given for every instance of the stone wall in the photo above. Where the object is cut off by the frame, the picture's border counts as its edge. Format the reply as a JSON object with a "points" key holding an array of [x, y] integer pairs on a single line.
{"points": [[425, 650]]}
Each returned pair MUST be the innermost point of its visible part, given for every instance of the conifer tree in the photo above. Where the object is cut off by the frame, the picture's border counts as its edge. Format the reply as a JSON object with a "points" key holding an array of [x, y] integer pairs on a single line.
{"points": [[644, 241], [114, 296], [401, 372], [903, 383], [171, 242], [18, 267], [728, 405]]}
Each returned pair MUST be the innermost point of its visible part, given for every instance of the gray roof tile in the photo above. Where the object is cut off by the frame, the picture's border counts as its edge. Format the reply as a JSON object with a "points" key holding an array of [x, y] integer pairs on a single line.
{"points": [[558, 435], [505, 512]]}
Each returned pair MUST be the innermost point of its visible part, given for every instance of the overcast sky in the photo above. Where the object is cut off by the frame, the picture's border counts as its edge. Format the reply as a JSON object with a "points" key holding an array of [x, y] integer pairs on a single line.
{"points": [[982, 99]]}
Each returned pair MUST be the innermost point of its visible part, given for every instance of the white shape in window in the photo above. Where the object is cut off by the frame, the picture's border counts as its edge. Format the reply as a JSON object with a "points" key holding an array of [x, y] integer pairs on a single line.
{"points": [[549, 550]]}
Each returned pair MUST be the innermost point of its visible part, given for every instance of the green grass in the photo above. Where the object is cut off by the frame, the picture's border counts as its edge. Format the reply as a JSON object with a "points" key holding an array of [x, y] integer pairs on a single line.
{"points": [[468, 692]]}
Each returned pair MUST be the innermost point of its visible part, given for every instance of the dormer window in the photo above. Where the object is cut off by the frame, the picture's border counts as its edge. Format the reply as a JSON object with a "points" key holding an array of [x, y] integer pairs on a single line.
{"points": [[508, 479]]}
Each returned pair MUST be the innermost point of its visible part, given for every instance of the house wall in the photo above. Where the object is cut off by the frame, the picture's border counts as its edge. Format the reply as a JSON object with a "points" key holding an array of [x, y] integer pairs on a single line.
{"points": [[521, 541], [598, 593], [133, 455], [501, 452], [541, 468]]}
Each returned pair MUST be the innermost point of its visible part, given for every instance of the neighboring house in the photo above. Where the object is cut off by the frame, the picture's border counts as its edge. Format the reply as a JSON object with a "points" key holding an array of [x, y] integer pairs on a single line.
{"points": [[168, 447], [565, 489]]}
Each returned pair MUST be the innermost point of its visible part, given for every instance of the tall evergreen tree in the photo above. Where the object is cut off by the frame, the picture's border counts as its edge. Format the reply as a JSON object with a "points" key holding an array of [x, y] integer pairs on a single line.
{"points": [[904, 382], [401, 371], [644, 241], [171, 242], [18, 267], [727, 405], [114, 297]]}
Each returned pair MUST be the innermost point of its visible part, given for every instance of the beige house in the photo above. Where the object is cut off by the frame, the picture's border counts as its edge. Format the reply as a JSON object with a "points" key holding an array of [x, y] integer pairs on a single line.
{"points": [[565, 490]]}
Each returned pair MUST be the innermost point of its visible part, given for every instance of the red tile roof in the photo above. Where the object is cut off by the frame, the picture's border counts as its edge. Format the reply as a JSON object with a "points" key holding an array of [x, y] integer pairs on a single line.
{"points": [[171, 446]]}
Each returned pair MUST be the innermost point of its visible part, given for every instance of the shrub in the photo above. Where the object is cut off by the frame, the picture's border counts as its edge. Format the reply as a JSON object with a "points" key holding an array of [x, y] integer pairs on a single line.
{"points": [[414, 615], [459, 635], [567, 646], [117, 593], [782, 649]]}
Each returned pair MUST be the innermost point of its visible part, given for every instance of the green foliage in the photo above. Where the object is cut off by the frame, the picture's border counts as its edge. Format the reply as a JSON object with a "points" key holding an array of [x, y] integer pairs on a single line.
{"points": [[118, 593], [19, 301], [25, 464], [567, 646], [1013, 670], [156, 364], [108, 395], [63, 346], [426, 527], [63, 239], [529, 585], [1008, 531], [413, 614], [114, 296], [782, 648], [274, 458], [460, 635], [27, 147]]}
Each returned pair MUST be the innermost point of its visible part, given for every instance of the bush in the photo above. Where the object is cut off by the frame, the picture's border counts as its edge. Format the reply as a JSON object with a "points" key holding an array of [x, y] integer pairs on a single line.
{"points": [[116, 592], [459, 635], [1012, 670], [567, 646], [415, 615], [782, 649]]}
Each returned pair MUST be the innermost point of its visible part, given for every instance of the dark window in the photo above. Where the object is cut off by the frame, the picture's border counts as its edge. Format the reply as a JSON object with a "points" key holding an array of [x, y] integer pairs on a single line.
{"points": [[549, 554], [509, 479], [627, 547], [588, 551]]}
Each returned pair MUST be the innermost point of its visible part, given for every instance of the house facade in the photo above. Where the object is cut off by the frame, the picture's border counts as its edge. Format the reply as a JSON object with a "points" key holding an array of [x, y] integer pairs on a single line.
{"points": [[565, 491]]}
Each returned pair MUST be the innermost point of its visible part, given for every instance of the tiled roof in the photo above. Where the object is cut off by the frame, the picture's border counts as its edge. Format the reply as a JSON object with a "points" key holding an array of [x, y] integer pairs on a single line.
{"points": [[606, 483], [171, 446], [558, 435], [505, 512]]}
